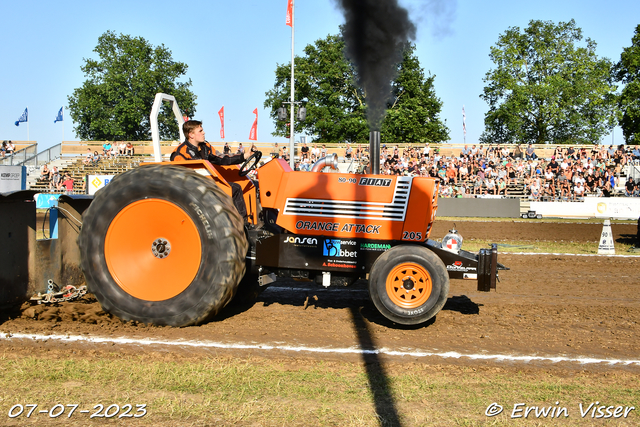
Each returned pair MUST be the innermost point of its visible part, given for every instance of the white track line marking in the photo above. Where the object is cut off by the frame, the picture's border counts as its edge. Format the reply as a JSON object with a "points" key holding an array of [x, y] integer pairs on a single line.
{"points": [[298, 349], [556, 254]]}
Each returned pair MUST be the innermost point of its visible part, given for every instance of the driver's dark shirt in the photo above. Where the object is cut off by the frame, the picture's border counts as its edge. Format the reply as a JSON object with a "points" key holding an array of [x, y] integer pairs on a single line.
{"points": [[204, 151]]}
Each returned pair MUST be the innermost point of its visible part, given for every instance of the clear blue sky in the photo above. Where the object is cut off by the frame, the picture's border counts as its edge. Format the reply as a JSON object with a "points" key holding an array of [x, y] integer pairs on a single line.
{"points": [[232, 48]]}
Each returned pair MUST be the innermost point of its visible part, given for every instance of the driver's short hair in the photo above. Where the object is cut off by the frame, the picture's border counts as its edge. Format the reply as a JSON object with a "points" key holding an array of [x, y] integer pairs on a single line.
{"points": [[189, 126]]}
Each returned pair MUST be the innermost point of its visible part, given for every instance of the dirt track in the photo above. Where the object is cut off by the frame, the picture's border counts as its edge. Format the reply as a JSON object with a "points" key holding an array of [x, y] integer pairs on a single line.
{"points": [[545, 305]]}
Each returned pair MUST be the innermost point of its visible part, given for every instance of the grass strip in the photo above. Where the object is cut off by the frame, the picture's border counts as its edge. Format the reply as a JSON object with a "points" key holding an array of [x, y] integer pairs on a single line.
{"points": [[226, 391]]}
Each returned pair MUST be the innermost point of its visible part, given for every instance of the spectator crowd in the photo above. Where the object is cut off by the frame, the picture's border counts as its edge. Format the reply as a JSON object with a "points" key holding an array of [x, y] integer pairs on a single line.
{"points": [[501, 170]]}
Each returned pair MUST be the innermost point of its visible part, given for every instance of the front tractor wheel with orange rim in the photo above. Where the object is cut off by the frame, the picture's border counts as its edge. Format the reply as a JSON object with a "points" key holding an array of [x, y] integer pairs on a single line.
{"points": [[409, 284], [162, 245]]}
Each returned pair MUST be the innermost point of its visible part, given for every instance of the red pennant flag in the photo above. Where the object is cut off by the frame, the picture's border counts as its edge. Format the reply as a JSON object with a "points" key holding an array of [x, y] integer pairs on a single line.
{"points": [[290, 13], [221, 114], [253, 134]]}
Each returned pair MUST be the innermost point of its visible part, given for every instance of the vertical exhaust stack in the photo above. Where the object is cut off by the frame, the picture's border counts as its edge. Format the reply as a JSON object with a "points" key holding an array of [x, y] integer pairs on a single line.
{"points": [[374, 152]]}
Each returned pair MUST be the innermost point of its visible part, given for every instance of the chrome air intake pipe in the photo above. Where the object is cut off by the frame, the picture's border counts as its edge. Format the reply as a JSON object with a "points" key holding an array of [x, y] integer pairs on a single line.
{"points": [[331, 160]]}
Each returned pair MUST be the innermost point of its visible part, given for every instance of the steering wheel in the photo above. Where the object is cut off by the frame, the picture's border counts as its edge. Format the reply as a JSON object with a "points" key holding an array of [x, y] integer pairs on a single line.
{"points": [[250, 164]]}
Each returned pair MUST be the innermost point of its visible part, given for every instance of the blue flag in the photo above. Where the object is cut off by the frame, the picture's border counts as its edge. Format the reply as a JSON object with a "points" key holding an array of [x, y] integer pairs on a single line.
{"points": [[59, 116], [23, 118]]}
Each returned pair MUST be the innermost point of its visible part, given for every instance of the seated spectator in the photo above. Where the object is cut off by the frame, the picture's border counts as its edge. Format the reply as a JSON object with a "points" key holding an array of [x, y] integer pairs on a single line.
{"points": [[530, 153], [240, 149], [122, 148], [96, 157], [45, 173], [535, 190], [88, 158], [348, 151], [56, 181], [106, 149], [452, 174], [629, 188], [129, 150], [10, 148], [636, 153], [3, 149], [578, 191], [517, 153], [491, 186], [565, 188], [477, 184], [502, 187]]}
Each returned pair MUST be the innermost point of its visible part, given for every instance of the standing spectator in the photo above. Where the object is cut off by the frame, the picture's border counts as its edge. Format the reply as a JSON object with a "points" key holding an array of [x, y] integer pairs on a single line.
{"points": [[315, 151], [67, 183], [304, 151], [426, 151]]}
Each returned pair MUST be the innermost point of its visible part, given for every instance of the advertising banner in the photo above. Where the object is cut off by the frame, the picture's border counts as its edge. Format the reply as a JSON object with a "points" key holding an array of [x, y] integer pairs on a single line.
{"points": [[96, 182], [13, 178]]}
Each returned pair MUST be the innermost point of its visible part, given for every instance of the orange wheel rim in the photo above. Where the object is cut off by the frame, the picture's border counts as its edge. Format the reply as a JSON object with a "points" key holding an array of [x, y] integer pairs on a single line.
{"points": [[409, 285], [153, 249]]}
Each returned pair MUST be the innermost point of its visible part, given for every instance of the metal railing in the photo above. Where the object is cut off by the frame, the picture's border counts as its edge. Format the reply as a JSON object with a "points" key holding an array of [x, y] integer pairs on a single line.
{"points": [[29, 156]]}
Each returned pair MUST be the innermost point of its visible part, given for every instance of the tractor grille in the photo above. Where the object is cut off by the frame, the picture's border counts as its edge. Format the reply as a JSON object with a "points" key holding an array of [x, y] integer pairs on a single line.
{"points": [[394, 211]]}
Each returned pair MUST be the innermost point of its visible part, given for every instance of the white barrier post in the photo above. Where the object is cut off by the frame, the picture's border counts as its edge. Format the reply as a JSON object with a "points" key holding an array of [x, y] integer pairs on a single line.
{"points": [[606, 240]]}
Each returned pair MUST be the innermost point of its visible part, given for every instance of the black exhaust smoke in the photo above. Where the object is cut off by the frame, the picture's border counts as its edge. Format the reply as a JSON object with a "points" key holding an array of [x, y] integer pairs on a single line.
{"points": [[376, 33]]}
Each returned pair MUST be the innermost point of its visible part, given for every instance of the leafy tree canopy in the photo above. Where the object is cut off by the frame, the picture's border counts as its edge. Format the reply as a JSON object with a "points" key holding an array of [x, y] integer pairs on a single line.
{"points": [[115, 101], [546, 88], [628, 72], [336, 106]]}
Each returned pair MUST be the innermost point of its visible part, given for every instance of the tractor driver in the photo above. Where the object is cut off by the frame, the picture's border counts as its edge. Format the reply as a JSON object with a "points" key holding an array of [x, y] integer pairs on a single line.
{"points": [[196, 148]]}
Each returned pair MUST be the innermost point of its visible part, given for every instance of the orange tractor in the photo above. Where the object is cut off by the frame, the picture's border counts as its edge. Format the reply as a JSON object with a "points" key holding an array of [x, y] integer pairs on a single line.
{"points": [[163, 243]]}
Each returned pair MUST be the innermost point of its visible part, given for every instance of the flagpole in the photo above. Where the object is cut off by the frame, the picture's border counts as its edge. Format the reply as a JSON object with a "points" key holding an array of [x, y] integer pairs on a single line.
{"points": [[62, 124], [291, 122], [28, 124]]}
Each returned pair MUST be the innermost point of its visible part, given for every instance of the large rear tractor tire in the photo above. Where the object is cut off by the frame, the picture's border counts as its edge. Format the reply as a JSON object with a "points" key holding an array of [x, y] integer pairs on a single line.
{"points": [[162, 245], [409, 284]]}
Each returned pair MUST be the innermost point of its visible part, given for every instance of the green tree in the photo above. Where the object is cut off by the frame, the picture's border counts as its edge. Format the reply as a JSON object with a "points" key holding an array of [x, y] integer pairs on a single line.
{"points": [[115, 101], [336, 105], [628, 72], [413, 114], [546, 88], [325, 80]]}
